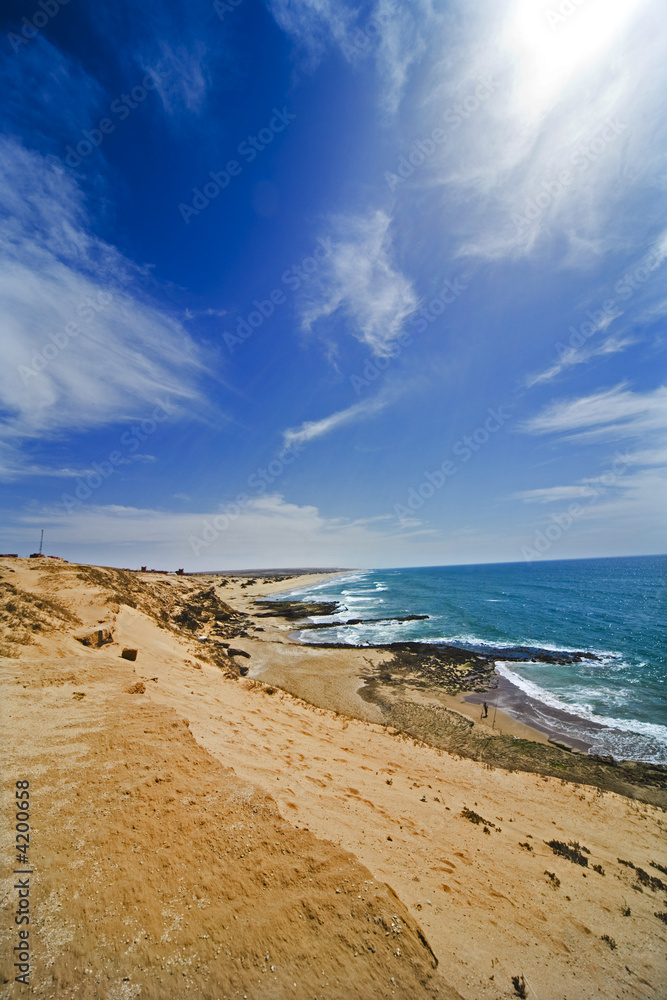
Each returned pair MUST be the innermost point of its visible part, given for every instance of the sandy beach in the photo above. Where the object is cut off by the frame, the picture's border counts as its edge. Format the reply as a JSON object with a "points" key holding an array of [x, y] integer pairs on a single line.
{"points": [[213, 824]]}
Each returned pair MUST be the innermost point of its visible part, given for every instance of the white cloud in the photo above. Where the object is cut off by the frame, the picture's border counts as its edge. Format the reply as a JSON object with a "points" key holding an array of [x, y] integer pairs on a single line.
{"points": [[267, 531], [312, 24], [578, 356], [403, 40], [183, 45], [626, 497], [312, 429], [182, 81], [360, 281], [392, 33], [550, 494], [563, 150], [610, 414], [123, 352]]}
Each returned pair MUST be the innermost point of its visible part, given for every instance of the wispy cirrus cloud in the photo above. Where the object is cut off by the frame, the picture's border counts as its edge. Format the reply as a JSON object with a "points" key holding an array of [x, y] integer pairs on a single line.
{"points": [[361, 284], [628, 491], [550, 494], [610, 414], [394, 34], [573, 356], [183, 44], [314, 23], [81, 346], [312, 429]]}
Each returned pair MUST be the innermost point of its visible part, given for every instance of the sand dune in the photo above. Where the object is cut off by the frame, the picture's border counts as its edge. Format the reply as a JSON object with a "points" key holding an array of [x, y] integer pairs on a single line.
{"points": [[184, 834]]}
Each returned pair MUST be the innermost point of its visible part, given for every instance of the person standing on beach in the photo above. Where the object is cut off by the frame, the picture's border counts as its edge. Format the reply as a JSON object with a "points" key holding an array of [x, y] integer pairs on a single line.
{"points": [[486, 711]]}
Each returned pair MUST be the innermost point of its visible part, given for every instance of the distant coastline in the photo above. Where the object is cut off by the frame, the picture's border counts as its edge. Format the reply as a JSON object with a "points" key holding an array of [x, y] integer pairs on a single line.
{"points": [[389, 609]]}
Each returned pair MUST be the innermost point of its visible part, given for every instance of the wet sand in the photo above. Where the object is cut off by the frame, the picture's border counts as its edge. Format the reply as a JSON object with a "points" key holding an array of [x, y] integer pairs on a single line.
{"points": [[543, 721]]}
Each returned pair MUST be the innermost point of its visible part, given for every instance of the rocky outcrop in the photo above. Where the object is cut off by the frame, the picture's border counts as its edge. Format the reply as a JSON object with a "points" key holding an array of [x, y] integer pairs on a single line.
{"points": [[296, 610], [366, 621], [98, 637], [129, 654], [204, 612]]}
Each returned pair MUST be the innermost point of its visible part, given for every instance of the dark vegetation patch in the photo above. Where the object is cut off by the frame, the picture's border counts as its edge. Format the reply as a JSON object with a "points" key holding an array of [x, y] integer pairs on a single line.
{"points": [[519, 984], [609, 940], [555, 881], [475, 818], [650, 881], [661, 916], [571, 851]]}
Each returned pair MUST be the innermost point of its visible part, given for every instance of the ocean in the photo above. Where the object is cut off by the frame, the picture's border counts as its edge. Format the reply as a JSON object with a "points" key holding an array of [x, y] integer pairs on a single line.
{"points": [[614, 610]]}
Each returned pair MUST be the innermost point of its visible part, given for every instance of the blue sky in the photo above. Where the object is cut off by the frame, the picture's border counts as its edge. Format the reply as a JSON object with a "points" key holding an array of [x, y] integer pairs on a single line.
{"points": [[313, 283]]}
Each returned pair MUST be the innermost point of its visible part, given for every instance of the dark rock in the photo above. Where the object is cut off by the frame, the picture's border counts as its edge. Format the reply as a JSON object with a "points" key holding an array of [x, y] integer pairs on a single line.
{"points": [[237, 652], [295, 610], [366, 621], [129, 654]]}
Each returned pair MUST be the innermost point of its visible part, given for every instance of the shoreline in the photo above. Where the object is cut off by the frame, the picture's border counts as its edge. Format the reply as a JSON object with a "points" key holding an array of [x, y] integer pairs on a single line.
{"points": [[515, 713], [508, 698]]}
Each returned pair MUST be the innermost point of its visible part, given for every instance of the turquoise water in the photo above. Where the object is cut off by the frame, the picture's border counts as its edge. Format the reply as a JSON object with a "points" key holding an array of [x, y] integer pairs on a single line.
{"points": [[613, 608]]}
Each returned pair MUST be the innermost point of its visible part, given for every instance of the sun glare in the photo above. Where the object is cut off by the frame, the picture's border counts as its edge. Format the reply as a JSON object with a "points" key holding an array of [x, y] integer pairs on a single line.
{"points": [[555, 40]]}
